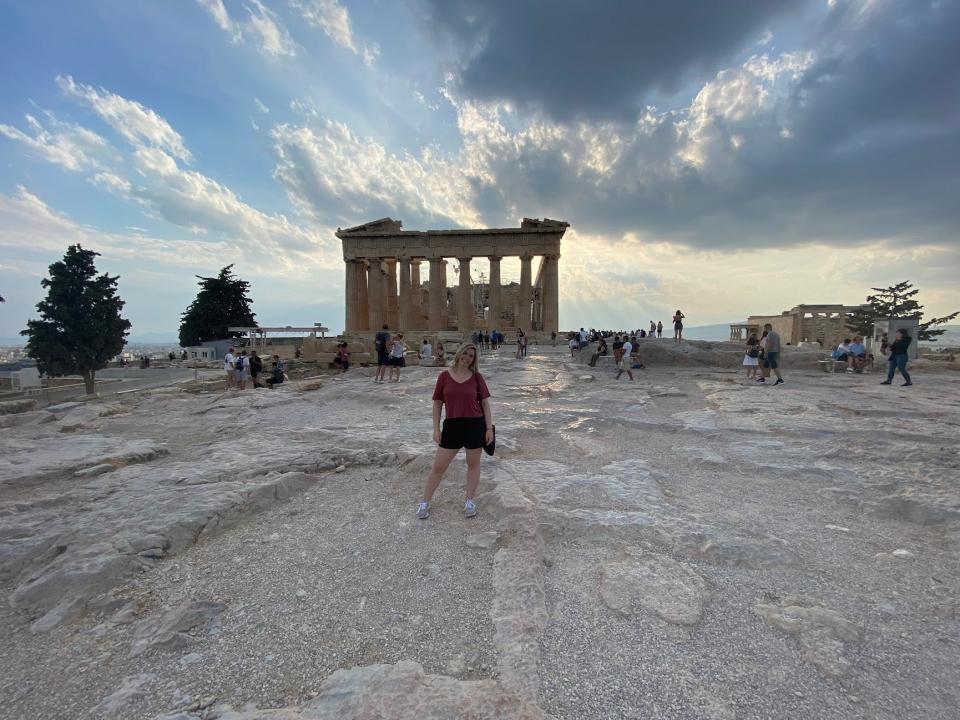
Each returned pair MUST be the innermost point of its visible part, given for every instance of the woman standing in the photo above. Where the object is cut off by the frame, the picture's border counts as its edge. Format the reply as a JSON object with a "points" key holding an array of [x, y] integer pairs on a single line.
{"points": [[898, 358], [397, 348], [678, 326], [751, 359], [461, 394]]}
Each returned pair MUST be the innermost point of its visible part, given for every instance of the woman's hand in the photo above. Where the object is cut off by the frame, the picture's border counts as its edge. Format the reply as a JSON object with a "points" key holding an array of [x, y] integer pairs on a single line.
{"points": [[488, 437], [436, 436]]}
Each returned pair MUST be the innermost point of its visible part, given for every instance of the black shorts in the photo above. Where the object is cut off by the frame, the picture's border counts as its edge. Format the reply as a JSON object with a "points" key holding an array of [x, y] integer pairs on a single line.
{"points": [[383, 358], [463, 433], [398, 362]]}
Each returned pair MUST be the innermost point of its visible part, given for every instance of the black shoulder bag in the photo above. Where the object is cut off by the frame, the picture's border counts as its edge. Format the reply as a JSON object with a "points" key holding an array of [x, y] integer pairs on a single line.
{"points": [[487, 448]]}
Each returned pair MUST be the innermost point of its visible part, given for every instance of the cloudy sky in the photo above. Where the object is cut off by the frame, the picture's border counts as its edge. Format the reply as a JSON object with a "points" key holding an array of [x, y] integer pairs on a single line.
{"points": [[726, 158]]}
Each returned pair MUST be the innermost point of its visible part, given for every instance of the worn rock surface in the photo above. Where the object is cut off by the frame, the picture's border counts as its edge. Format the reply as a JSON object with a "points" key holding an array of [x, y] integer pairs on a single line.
{"points": [[687, 545], [822, 633]]}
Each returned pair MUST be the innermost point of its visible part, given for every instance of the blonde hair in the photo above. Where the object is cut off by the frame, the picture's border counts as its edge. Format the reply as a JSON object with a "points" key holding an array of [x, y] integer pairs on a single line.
{"points": [[460, 351]]}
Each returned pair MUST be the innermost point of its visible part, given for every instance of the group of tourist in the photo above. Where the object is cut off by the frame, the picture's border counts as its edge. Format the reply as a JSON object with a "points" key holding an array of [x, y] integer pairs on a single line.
{"points": [[853, 353], [391, 353], [240, 367], [487, 340], [763, 355]]}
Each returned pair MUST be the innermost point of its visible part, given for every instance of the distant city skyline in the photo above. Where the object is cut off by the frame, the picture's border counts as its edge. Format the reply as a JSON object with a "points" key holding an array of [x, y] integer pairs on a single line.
{"points": [[725, 159]]}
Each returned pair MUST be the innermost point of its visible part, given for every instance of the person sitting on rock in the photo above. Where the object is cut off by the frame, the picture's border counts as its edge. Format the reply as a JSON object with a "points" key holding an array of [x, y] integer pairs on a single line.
{"points": [[601, 350], [343, 355], [276, 375]]}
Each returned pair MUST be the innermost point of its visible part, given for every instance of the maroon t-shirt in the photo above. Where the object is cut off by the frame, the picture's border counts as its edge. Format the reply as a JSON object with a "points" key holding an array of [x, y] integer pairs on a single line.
{"points": [[460, 399]]}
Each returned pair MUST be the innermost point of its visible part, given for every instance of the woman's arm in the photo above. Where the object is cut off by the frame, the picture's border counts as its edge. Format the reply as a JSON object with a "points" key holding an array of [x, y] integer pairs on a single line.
{"points": [[486, 411], [437, 405]]}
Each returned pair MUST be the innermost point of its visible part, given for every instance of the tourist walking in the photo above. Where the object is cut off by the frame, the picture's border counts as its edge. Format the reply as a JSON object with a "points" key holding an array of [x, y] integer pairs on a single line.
{"points": [[397, 349], [898, 358], [751, 358], [521, 338], [617, 349], [625, 360], [381, 343], [678, 326], [441, 358], [462, 397], [772, 354], [229, 367], [659, 329], [426, 353]]}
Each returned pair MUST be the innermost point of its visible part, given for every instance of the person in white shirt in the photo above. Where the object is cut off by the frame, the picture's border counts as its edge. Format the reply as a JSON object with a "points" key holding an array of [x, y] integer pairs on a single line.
{"points": [[397, 348], [228, 367], [624, 364], [426, 353]]}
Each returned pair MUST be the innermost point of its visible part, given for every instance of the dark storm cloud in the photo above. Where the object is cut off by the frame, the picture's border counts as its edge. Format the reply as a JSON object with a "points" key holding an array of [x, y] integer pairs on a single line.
{"points": [[597, 58], [862, 141]]}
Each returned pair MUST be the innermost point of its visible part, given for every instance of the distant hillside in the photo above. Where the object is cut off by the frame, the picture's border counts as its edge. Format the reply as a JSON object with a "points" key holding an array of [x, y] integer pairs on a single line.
{"points": [[951, 338], [717, 332]]}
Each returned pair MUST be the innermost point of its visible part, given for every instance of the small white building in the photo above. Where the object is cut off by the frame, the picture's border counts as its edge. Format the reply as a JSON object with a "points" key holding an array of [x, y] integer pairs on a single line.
{"points": [[890, 327]]}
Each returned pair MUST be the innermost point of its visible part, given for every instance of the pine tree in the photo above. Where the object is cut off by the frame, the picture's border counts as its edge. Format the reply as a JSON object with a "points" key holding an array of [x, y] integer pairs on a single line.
{"points": [[222, 302], [80, 329], [896, 301]]}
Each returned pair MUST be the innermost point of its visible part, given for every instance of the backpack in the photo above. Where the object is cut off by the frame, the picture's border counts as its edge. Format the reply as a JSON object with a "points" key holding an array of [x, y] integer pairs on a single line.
{"points": [[238, 363], [380, 342]]}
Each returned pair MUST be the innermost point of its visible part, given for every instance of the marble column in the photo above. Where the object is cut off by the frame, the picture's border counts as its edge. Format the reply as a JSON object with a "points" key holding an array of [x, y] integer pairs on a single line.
{"points": [[444, 306], [392, 308], [351, 300], [493, 295], [405, 320], [551, 293], [416, 295], [523, 298], [376, 291], [464, 304], [437, 290], [363, 301]]}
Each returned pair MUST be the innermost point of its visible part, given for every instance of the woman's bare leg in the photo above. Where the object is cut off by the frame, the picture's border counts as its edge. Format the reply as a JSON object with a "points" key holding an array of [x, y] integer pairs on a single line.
{"points": [[441, 462], [473, 472]]}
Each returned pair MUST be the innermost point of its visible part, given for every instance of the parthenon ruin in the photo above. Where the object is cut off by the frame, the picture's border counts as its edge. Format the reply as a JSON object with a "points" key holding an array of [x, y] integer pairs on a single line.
{"points": [[383, 277]]}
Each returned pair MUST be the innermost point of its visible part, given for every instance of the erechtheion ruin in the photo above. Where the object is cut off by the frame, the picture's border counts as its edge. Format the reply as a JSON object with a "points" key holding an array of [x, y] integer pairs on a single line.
{"points": [[824, 324], [383, 279]]}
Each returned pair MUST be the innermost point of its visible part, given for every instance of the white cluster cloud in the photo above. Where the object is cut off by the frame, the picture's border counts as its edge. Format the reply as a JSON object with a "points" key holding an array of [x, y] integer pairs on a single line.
{"points": [[28, 222], [139, 125], [70, 146], [262, 27], [150, 174], [334, 20], [331, 17], [329, 172]]}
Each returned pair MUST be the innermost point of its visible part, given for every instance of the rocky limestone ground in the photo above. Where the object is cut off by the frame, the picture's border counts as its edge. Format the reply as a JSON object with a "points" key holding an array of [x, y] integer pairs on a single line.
{"points": [[688, 545]]}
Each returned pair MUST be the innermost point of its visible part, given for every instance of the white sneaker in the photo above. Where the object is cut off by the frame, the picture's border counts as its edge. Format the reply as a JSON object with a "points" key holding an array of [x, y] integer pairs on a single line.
{"points": [[469, 509], [422, 511]]}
